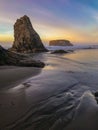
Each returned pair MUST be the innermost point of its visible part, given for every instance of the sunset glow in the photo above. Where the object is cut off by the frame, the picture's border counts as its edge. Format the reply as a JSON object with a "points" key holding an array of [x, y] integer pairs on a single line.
{"points": [[75, 20], [6, 38]]}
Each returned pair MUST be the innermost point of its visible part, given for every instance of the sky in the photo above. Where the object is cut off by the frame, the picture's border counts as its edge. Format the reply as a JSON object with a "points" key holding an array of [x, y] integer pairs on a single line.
{"points": [[74, 20]]}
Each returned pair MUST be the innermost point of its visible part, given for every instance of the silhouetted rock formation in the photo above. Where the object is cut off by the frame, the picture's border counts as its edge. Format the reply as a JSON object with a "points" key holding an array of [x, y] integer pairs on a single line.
{"points": [[11, 58], [59, 52], [26, 39], [60, 43]]}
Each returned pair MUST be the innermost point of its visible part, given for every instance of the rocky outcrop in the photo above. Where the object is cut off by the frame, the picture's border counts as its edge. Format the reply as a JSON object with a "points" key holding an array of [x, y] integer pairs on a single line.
{"points": [[11, 58], [26, 39], [60, 43], [59, 52]]}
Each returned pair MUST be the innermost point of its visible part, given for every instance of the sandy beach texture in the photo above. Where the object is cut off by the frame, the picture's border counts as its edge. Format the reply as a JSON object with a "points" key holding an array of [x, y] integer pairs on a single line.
{"points": [[59, 98], [11, 76]]}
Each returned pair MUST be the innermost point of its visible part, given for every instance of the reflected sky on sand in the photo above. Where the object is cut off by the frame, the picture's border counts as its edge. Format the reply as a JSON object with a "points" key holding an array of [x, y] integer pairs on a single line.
{"points": [[52, 99]]}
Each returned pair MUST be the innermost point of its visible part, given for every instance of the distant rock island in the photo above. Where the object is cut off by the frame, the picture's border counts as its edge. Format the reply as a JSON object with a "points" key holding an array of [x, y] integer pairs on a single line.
{"points": [[60, 43], [26, 39]]}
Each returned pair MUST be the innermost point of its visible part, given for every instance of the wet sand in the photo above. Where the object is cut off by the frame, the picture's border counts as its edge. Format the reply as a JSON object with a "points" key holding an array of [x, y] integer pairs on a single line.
{"points": [[11, 76], [58, 98], [86, 116]]}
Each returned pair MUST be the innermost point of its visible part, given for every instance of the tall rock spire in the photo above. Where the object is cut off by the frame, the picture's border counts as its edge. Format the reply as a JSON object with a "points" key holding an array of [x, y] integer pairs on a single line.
{"points": [[26, 38]]}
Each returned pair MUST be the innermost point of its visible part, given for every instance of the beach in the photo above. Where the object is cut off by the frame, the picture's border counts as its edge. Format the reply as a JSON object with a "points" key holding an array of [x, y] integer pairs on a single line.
{"points": [[12, 76], [51, 98], [48, 65]]}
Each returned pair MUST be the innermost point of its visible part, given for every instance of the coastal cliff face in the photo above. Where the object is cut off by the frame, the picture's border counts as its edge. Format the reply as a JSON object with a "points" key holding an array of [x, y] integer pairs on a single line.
{"points": [[26, 38], [60, 43], [10, 58]]}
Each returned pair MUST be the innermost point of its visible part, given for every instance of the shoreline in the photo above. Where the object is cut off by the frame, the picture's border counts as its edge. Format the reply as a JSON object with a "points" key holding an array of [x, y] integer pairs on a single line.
{"points": [[11, 76], [51, 97]]}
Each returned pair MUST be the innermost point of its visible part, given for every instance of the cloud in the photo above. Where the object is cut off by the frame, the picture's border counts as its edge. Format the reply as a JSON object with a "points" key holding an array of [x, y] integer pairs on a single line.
{"points": [[53, 19]]}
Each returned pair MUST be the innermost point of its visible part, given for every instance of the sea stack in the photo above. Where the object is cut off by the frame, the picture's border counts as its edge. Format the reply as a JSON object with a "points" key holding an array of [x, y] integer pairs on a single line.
{"points": [[60, 43], [26, 39]]}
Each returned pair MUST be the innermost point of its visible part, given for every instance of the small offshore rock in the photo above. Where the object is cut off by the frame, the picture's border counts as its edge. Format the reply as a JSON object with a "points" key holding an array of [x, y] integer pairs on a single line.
{"points": [[59, 52], [60, 43]]}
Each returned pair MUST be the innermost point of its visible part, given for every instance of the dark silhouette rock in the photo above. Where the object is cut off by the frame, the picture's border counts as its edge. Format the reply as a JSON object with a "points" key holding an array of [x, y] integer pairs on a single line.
{"points": [[11, 58], [60, 43], [59, 52], [96, 94], [3, 56], [26, 39]]}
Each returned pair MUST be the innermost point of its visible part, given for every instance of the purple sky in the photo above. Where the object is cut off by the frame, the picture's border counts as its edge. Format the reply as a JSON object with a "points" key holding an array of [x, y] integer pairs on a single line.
{"points": [[75, 20]]}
